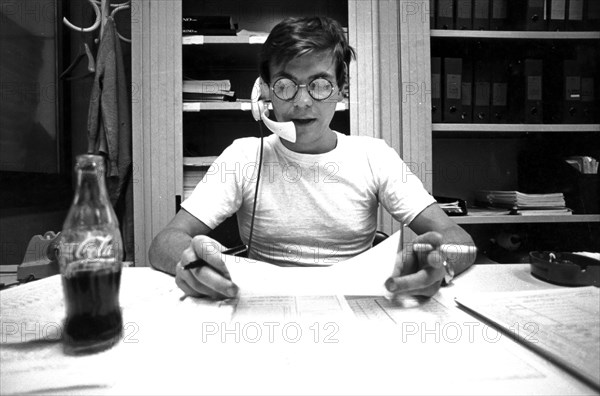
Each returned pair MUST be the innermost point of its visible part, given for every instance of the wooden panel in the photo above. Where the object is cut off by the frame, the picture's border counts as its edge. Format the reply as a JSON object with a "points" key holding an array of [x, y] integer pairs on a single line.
{"points": [[390, 82], [157, 117], [364, 90], [390, 110], [415, 80]]}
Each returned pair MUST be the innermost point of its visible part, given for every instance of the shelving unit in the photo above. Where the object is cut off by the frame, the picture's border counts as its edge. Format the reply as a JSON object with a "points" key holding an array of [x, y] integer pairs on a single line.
{"points": [[394, 48], [495, 145]]}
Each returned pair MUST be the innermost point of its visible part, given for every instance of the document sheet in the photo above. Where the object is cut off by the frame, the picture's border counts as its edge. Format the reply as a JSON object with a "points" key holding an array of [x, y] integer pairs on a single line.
{"points": [[364, 274], [562, 324]]}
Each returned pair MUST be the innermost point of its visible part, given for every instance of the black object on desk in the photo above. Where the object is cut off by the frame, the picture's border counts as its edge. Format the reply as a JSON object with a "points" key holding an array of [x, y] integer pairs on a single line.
{"points": [[567, 269]]}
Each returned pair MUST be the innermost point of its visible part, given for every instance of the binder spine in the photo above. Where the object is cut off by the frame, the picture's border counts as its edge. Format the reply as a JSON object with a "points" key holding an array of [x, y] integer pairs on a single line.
{"points": [[588, 96], [498, 15], [481, 14], [572, 103], [436, 89], [592, 15], [498, 113], [575, 15], [482, 89], [464, 19], [535, 18], [445, 14], [557, 14], [466, 115], [452, 89], [533, 91]]}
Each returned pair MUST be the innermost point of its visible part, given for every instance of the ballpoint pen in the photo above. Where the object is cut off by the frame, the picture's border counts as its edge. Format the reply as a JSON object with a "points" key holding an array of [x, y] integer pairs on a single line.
{"points": [[446, 248], [201, 263]]}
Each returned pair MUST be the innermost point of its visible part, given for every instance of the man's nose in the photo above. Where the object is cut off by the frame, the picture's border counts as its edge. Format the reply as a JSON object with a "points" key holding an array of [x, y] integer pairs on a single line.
{"points": [[303, 98]]}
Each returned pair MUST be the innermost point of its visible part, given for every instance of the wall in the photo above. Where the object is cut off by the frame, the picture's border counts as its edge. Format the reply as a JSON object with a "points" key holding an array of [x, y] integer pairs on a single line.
{"points": [[37, 201]]}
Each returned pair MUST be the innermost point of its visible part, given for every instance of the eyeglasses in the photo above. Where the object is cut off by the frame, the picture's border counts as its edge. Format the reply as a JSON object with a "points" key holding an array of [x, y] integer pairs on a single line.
{"points": [[318, 89]]}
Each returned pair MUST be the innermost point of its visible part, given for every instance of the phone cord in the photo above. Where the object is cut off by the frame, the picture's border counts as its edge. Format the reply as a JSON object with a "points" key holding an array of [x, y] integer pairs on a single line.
{"points": [[256, 189]]}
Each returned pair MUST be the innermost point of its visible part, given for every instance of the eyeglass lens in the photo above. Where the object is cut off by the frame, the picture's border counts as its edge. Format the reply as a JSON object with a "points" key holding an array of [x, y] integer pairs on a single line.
{"points": [[319, 89]]}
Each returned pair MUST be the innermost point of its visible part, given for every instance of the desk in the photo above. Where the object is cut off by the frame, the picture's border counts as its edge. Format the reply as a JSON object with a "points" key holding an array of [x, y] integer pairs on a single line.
{"points": [[172, 346]]}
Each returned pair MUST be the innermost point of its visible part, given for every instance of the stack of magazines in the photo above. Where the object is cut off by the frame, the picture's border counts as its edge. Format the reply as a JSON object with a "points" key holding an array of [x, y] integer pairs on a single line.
{"points": [[524, 204], [207, 91]]}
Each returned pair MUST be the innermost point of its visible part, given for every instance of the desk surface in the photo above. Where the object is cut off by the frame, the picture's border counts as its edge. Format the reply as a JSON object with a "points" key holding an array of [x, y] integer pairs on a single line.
{"points": [[190, 346]]}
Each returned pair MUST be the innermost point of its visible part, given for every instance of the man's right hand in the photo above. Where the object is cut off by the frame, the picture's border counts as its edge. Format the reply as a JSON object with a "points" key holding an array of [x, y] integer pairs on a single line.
{"points": [[212, 280]]}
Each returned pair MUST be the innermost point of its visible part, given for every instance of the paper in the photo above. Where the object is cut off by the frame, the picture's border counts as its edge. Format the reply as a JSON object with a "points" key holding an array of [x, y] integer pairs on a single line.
{"points": [[563, 324], [364, 274]]}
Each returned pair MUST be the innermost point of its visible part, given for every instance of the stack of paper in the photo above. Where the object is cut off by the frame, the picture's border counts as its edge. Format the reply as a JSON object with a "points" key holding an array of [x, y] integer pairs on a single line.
{"points": [[210, 25], [207, 91], [522, 203], [191, 177]]}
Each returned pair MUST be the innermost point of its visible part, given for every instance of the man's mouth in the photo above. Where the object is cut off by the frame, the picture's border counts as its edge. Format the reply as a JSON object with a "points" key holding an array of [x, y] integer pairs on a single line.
{"points": [[303, 121]]}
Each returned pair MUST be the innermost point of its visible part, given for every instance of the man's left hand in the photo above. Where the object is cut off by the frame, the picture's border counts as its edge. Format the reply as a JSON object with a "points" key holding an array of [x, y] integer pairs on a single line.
{"points": [[418, 273]]}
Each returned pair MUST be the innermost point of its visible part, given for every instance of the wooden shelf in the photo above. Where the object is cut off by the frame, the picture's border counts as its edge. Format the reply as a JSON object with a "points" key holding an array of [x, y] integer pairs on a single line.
{"points": [[516, 127], [506, 219], [243, 106], [199, 161], [526, 35]]}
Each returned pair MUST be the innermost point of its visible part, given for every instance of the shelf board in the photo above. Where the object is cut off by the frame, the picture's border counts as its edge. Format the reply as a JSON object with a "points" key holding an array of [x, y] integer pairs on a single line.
{"points": [[527, 35], [243, 106], [506, 219], [199, 161], [201, 40], [516, 127]]}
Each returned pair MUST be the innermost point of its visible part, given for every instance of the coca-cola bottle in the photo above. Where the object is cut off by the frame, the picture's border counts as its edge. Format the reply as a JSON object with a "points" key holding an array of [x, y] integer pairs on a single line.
{"points": [[90, 258]]}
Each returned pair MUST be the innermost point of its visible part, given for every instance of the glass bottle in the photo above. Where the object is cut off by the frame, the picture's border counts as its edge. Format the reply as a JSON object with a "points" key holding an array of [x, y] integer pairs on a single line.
{"points": [[90, 258]]}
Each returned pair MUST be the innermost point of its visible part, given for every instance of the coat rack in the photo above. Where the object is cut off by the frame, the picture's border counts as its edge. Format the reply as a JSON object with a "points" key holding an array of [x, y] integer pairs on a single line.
{"points": [[102, 9]]}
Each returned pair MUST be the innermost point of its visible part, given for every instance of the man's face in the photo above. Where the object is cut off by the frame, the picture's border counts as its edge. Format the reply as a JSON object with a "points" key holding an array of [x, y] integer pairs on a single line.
{"points": [[310, 116]]}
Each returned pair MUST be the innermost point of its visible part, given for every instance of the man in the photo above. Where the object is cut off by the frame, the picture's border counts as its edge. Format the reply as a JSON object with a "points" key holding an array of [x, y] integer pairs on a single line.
{"points": [[318, 195]]}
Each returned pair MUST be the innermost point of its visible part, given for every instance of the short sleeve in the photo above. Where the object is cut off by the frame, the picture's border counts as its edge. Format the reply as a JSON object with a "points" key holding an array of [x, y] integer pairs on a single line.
{"points": [[400, 191], [220, 192]]}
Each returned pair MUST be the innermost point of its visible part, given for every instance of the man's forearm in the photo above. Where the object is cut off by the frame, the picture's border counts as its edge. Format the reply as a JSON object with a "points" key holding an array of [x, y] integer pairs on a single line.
{"points": [[166, 248]]}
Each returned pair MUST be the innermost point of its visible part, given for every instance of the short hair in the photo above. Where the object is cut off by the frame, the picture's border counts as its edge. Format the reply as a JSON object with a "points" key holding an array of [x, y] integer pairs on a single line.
{"points": [[296, 36]]}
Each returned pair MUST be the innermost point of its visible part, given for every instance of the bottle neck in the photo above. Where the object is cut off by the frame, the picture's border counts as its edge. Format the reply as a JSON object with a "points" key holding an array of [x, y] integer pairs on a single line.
{"points": [[90, 187]]}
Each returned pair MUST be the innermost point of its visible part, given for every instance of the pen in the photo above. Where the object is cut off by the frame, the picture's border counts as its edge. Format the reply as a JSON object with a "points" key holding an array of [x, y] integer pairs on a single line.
{"points": [[446, 248], [201, 263]]}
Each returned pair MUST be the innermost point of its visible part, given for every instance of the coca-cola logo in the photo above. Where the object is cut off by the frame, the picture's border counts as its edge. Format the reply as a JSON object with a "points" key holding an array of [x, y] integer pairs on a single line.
{"points": [[95, 247], [92, 247]]}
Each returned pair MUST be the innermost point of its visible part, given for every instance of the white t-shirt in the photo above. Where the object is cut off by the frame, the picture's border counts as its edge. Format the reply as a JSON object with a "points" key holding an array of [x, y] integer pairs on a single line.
{"points": [[312, 209]]}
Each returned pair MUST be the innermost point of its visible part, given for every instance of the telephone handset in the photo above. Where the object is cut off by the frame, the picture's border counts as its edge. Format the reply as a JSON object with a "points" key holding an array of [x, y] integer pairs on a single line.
{"points": [[285, 130]]}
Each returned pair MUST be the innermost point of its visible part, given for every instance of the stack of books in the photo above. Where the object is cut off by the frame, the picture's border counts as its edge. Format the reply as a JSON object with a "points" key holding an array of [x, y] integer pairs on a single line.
{"points": [[524, 204], [208, 91], [191, 177]]}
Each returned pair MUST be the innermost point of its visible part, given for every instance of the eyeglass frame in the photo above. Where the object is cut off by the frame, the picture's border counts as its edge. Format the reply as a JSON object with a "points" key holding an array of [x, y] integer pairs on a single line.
{"points": [[298, 86]]}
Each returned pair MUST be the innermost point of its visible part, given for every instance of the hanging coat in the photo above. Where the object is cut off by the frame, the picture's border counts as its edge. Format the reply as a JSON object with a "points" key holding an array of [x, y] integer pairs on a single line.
{"points": [[109, 120], [109, 129]]}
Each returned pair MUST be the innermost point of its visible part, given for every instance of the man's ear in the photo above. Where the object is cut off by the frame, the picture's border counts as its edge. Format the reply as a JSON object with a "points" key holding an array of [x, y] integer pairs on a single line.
{"points": [[265, 92], [344, 88]]}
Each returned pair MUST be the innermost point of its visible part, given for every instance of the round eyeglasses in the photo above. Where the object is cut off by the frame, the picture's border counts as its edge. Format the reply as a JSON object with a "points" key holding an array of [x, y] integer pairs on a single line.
{"points": [[318, 89]]}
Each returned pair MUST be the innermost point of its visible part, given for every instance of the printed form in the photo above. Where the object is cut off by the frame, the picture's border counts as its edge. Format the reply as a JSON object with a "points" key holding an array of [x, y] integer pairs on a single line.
{"points": [[562, 324]]}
